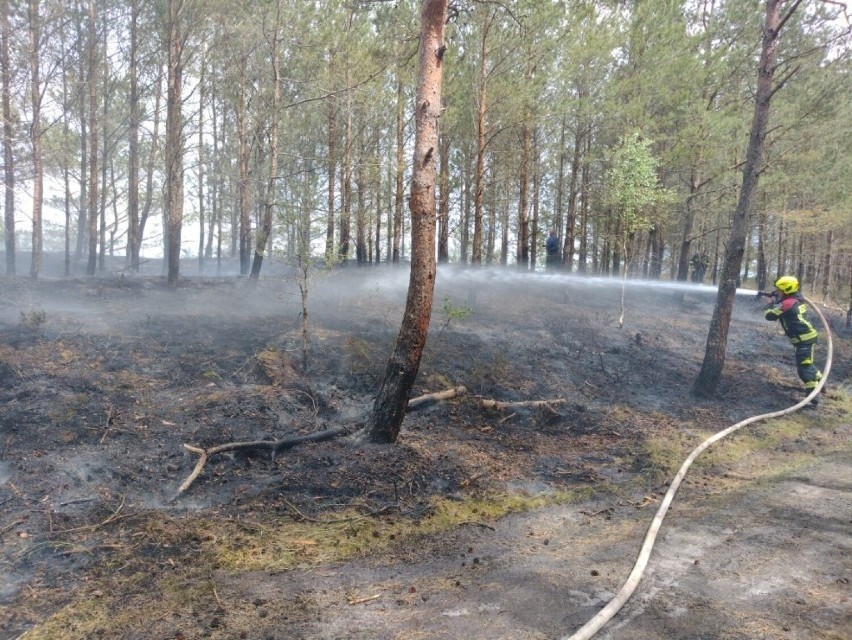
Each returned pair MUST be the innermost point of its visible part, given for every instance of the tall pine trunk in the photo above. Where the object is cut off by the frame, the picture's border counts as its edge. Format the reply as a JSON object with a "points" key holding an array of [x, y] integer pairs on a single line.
{"points": [[717, 339], [92, 83], [401, 371], [8, 156], [268, 206], [35, 136], [174, 141]]}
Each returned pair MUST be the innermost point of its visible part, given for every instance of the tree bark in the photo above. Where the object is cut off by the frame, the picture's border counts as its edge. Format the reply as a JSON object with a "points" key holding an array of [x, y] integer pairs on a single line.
{"points": [[150, 167], [717, 339], [481, 132], [331, 166], [274, 118], [401, 371], [35, 135], [133, 147], [399, 173], [92, 82], [8, 157], [243, 160], [174, 140], [444, 198], [522, 253]]}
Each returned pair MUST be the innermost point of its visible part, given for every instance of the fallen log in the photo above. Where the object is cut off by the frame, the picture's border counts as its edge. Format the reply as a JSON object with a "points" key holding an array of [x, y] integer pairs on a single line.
{"points": [[497, 404], [273, 446], [429, 398]]}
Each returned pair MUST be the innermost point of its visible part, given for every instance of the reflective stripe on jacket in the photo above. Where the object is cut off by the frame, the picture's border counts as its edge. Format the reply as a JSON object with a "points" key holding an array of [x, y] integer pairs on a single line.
{"points": [[790, 311]]}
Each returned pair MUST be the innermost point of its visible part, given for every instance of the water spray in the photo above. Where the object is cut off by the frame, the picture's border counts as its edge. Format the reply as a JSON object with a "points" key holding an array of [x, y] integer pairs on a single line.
{"points": [[608, 612]]}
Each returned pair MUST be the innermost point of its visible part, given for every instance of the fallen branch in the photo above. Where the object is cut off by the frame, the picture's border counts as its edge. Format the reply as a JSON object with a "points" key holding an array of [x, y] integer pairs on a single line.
{"points": [[497, 404], [273, 446], [367, 599], [429, 398]]}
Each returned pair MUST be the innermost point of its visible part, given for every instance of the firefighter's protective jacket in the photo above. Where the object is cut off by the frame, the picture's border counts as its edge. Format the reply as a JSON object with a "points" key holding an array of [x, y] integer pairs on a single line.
{"points": [[790, 311]]}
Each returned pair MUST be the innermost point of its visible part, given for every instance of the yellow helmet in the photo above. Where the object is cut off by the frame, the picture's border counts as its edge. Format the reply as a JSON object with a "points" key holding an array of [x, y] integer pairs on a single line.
{"points": [[787, 284]]}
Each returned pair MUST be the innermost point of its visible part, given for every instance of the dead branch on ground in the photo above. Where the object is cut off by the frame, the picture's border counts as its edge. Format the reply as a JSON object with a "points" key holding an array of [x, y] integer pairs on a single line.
{"points": [[429, 398], [273, 446], [497, 404]]}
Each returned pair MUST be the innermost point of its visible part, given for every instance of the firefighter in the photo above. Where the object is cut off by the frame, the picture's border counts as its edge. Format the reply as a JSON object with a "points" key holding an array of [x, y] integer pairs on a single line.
{"points": [[552, 247], [789, 308]]}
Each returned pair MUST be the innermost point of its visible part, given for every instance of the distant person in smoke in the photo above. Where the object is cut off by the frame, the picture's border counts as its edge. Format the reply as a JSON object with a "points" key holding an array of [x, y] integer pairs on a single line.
{"points": [[552, 246], [788, 307], [700, 262]]}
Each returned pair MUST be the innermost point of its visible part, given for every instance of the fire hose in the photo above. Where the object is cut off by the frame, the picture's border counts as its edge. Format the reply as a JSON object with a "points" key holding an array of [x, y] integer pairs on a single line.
{"points": [[606, 614]]}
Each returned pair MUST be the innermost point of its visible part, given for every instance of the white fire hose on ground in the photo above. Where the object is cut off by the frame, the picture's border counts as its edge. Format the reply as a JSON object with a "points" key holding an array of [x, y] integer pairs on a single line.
{"points": [[606, 614]]}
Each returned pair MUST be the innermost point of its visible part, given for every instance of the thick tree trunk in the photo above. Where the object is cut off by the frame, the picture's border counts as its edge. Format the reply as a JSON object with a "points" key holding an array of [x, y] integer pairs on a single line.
{"points": [[401, 371], [8, 157], [717, 339]]}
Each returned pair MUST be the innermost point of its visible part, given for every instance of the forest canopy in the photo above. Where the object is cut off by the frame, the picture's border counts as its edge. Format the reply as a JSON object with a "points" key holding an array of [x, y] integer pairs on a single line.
{"points": [[223, 131]]}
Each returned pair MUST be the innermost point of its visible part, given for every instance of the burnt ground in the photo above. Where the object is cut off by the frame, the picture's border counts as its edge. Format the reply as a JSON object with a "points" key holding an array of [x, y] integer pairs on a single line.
{"points": [[517, 524]]}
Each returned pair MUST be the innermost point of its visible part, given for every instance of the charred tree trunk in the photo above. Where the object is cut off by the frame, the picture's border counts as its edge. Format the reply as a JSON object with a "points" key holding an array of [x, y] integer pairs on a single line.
{"points": [[717, 339], [401, 371]]}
